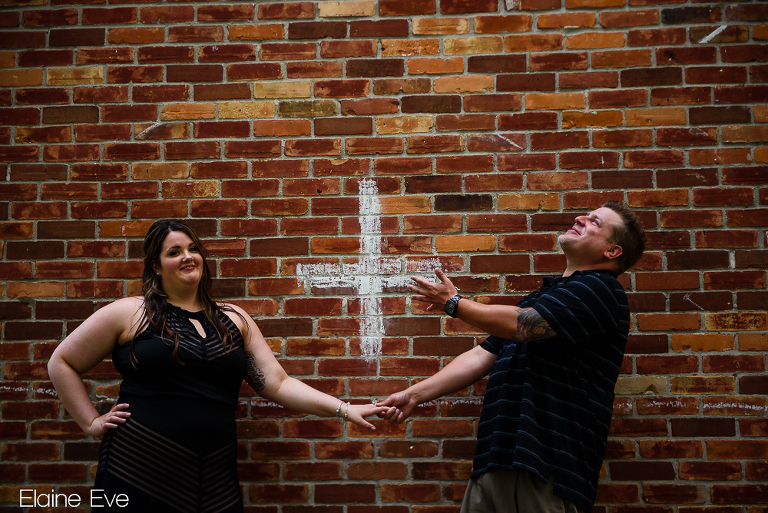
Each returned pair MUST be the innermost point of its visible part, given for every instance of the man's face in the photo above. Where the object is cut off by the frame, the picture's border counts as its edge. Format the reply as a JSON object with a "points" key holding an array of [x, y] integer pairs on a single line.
{"points": [[589, 237]]}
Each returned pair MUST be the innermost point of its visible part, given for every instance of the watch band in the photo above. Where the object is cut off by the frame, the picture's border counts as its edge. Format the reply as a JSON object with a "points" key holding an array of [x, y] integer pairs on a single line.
{"points": [[452, 304]]}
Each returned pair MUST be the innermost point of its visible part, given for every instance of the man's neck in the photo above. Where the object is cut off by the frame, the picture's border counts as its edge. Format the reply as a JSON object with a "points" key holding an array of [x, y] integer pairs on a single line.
{"points": [[569, 270]]}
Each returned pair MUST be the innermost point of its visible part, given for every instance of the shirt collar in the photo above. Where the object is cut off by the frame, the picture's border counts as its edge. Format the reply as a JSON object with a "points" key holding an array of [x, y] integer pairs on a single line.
{"points": [[551, 280]]}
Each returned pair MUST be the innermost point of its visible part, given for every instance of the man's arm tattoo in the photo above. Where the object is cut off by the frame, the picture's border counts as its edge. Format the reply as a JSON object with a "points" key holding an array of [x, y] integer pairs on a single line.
{"points": [[256, 376], [532, 326]]}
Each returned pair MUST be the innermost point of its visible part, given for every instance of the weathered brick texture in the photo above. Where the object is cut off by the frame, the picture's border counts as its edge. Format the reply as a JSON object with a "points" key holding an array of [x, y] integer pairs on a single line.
{"points": [[326, 151]]}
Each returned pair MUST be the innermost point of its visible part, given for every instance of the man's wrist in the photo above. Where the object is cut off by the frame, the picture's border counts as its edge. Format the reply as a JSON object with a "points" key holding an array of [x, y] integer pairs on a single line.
{"points": [[452, 305]]}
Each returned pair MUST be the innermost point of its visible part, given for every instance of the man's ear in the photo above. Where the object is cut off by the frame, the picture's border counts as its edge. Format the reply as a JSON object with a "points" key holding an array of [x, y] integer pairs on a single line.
{"points": [[614, 251]]}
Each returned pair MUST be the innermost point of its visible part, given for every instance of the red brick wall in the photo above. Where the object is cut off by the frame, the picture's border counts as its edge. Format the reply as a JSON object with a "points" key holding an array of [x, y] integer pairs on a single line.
{"points": [[469, 131]]}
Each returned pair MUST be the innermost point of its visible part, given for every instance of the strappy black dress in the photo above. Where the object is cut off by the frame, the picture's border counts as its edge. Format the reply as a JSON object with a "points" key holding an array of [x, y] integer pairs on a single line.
{"points": [[178, 450]]}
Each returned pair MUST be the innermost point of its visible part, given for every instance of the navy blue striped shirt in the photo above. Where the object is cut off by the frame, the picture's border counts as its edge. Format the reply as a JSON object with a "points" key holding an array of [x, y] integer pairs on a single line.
{"points": [[548, 404]]}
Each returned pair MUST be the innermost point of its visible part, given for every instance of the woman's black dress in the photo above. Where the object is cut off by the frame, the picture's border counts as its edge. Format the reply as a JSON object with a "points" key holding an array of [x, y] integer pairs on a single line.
{"points": [[178, 450]]}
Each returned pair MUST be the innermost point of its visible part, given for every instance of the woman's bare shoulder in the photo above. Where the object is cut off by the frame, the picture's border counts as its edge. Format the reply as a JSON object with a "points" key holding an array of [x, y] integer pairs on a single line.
{"points": [[235, 313], [130, 311]]}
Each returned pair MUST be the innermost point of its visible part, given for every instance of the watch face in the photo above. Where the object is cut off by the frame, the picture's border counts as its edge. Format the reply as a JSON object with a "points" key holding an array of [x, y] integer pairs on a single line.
{"points": [[450, 306]]}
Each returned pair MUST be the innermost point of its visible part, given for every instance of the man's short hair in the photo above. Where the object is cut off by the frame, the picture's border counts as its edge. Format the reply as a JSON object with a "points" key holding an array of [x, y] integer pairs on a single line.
{"points": [[630, 236]]}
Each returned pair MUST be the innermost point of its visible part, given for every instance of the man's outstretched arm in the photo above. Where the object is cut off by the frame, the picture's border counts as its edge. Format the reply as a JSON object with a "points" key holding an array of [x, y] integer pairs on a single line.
{"points": [[504, 321], [466, 369]]}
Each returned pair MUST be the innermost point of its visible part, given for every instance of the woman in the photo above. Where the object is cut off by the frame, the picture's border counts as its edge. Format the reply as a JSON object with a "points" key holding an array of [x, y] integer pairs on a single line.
{"points": [[170, 440]]}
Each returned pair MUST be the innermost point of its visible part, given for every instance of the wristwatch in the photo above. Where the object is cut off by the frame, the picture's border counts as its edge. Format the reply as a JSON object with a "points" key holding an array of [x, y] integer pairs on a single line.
{"points": [[452, 304]]}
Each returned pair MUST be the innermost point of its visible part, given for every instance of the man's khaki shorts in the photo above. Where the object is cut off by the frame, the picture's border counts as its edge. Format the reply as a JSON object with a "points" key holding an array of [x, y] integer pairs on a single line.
{"points": [[512, 491]]}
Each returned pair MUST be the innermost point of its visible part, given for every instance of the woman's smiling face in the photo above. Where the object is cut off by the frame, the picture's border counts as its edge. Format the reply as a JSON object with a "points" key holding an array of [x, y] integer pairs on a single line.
{"points": [[180, 261]]}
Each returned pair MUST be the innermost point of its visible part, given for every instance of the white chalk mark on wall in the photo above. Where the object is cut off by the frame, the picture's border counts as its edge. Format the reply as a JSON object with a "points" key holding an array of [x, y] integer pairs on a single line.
{"points": [[713, 35], [368, 277], [371, 327]]}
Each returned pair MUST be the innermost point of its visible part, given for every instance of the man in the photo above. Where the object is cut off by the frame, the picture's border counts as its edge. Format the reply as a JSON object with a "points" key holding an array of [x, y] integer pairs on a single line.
{"points": [[553, 360]]}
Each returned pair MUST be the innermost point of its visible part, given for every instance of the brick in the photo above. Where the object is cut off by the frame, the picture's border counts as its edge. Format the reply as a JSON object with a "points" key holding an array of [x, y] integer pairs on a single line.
{"points": [[741, 94], [313, 147], [241, 110], [417, 492], [746, 12], [732, 494], [317, 29], [679, 15], [732, 34], [496, 142], [532, 43], [386, 29], [434, 144], [165, 54], [466, 122], [314, 69], [617, 99], [588, 80], [407, 86], [423, 26], [343, 493], [135, 74], [710, 197], [473, 45], [686, 494], [375, 68], [25, 39], [136, 35], [719, 156], [195, 73], [10, 19], [108, 94], [73, 191], [43, 134], [710, 470], [287, 10], [746, 217], [589, 160], [526, 82], [66, 230], [332, 9], [473, 84], [87, 56], [716, 75], [593, 40], [646, 77], [403, 124], [74, 114], [167, 14], [309, 108], [546, 201], [38, 96], [49, 17], [673, 56], [347, 49], [567, 20], [341, 88], [727, 238], [622, 58], [21, 78], [239, 12], [77, 37], [743, 449]]}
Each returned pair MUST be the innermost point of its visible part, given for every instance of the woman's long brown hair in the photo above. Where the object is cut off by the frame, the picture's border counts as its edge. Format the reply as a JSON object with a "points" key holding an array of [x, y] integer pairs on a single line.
{"points": [[155, 313]]}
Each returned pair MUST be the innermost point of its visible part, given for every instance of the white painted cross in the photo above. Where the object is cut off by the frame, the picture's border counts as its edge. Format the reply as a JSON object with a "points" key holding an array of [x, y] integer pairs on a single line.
{"points": [[370, 275]]}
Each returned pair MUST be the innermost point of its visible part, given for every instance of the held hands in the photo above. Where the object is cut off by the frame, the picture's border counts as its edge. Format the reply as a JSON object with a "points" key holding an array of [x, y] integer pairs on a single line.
{"points": [[358, 412], [435, 293], [114, 417], [400, 406]]}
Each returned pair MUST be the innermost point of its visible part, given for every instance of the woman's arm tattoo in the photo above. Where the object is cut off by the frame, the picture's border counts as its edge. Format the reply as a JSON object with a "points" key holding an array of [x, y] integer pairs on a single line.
{"points": [[532, 326], [256, 376]]}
